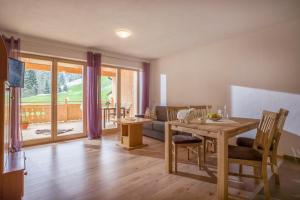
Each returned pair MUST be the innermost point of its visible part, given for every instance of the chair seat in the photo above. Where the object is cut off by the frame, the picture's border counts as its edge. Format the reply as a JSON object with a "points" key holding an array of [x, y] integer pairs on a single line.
{"points": [[185, 139], [247, 142], [244, 153]]}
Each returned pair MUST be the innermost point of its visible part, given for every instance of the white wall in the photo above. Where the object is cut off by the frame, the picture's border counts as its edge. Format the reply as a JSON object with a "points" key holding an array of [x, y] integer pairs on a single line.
{"points": [[266, 59]]}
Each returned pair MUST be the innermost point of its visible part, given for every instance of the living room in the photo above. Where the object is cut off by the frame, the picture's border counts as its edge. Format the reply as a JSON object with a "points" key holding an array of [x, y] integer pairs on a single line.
{"points": [[150, 99]]}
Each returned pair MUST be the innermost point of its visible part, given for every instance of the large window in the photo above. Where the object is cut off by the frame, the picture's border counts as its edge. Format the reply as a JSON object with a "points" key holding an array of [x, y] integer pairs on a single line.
{"points": [[69, 98], [53, 98], [36, 99], [109, 98], [119, 94], [129, 95], [52, 103]]}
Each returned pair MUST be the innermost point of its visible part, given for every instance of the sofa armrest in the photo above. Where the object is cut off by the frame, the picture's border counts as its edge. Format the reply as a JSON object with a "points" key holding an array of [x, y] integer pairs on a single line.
{"points": [[141, 116]]}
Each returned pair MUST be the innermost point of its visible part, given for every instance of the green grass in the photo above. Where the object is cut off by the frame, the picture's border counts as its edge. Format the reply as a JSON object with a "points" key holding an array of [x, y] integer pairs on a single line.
{"points": [[74, 94]]}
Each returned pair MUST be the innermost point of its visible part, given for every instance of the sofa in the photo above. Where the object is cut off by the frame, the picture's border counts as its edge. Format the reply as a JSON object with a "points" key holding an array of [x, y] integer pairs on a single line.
{"points": [[156, 129]]}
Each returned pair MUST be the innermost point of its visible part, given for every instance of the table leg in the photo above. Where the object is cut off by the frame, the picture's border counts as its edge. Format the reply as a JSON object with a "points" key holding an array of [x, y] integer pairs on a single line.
{"points": [[222, 150], [168, 148]]}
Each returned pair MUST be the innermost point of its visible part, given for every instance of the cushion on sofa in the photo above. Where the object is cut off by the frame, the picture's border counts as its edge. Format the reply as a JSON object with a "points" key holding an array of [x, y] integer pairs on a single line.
{"points": [[148, 126], [161, 113], [158, 126]]}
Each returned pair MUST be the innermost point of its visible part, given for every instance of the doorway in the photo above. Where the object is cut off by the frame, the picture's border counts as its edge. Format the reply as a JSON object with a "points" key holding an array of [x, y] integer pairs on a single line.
{"points": [[52, 100]]}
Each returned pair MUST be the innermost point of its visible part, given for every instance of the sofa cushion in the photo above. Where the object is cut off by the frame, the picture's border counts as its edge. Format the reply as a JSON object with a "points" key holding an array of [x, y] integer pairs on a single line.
{"points": [[154, 134], [247, 142], [184, 139], [161, 113], [158, 126], [244, 153], [244, 142], [148, 126]]}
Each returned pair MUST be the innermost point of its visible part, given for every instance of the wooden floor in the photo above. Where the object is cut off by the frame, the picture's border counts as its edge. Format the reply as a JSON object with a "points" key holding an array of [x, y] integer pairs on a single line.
{"points": [[86, 170]]}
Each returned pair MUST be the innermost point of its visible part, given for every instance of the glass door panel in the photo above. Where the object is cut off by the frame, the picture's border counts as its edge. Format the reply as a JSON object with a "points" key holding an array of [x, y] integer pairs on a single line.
{"points": [[129, 93], [36, 99], [108, 96], [70, 99]]}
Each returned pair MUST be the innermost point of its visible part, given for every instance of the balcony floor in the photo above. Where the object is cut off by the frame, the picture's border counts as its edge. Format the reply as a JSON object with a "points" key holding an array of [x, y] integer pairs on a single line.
{"points": [[74, 127], [77, 126]]}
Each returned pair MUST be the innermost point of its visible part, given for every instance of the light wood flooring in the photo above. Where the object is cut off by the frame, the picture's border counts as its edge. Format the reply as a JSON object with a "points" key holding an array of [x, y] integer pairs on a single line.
{"points": [[92, 169]]}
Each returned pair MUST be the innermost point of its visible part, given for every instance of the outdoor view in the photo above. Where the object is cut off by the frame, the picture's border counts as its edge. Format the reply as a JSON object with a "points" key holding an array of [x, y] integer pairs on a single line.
{"points": [[37, 94], [69, 99], [129, 88], [108, 96], [36, 99], [128, 98]]}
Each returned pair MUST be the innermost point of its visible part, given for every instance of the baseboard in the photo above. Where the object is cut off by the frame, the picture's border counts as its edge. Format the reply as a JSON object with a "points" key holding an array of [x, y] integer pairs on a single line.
{"points": [[291, 158]]}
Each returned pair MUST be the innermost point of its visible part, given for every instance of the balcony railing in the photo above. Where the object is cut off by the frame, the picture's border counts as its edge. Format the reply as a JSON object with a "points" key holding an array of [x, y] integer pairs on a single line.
{"points": [[40, 112]]}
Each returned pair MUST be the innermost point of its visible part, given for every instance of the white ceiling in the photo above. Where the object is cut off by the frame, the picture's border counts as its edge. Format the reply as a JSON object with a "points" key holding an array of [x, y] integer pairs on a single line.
{"points": [[160, 27]]}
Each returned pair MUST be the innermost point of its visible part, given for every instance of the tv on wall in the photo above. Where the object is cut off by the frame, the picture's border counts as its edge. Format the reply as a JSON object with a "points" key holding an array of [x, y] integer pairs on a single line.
{"points": [[16, 70]]}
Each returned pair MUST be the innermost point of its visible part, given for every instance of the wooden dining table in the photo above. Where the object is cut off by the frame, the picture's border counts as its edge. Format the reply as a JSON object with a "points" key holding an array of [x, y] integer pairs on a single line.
{"points": [[221, 131]]}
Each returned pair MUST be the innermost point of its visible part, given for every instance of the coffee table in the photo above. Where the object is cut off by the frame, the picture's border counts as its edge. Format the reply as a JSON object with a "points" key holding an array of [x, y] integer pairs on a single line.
{"points": [[131, 136]]}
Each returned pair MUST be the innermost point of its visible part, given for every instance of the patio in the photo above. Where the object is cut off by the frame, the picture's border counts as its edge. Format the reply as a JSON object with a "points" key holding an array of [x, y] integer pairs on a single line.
{"points": [[70, 127]]}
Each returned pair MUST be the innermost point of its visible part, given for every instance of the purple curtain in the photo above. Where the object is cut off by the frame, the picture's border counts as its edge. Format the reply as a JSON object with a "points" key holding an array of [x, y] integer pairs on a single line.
{"points": [[13, 50], [146, 82], [93, 95]]}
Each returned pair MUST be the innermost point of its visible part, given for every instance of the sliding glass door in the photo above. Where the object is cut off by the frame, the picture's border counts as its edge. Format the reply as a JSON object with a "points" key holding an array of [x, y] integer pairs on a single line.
{"points": [[52, 100], [70, 101], [119, 94], [129, 93], [109, 97]]}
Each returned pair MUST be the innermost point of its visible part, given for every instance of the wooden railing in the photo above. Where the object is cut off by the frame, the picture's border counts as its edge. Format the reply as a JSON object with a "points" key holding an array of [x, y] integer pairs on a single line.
{"points": [[41, 112]]}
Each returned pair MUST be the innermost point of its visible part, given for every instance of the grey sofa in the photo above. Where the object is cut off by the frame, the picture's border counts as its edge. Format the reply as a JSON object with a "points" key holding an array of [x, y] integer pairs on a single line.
{"points": [[156, 129]]}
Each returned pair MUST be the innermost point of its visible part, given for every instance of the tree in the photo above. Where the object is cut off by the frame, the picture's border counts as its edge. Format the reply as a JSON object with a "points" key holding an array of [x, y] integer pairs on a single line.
{"points": [[47, 87], [62, 86], [30, 83]]}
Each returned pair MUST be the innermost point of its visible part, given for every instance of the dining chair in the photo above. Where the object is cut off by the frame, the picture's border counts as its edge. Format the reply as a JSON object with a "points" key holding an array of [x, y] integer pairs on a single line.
{"points": [[208, 142], [172, 112], [128, 109], [249, 142], [257, 156], [186, 141], [183, 140]]}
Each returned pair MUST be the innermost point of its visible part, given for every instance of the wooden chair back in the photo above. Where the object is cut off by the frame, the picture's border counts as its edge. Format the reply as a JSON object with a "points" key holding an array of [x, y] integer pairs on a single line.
{"points": [[202, 110], [172, 112], [282, 118], [266, 130]]}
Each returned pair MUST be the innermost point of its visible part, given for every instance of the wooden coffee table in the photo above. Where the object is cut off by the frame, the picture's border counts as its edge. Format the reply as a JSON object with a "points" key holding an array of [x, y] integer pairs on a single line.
{"points": [[131, 136]]}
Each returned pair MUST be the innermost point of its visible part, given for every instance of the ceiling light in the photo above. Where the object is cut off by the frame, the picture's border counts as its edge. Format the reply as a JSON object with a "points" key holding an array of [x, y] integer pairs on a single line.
{"points": [[123, 33]]}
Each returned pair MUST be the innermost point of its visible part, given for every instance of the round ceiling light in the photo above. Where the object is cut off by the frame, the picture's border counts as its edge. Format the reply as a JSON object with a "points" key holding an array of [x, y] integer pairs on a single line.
{"points": [[123, 33]]}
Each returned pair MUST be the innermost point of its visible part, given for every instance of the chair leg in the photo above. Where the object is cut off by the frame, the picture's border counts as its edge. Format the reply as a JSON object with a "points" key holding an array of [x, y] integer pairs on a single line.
{"points": [[257, 174], [240, 169], [199, 156], [215, 145], [274, 169], [188, 152], [266, 182], [204, 150], [175, 157]]}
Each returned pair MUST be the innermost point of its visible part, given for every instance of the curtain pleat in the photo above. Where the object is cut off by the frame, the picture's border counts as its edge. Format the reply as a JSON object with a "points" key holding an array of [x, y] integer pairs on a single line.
{"points": [[13, 50], [93, 95], [145, 86]]}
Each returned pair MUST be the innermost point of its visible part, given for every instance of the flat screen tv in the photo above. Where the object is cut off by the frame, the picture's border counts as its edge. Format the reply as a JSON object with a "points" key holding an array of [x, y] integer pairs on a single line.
{"points": [[16, 70]]}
